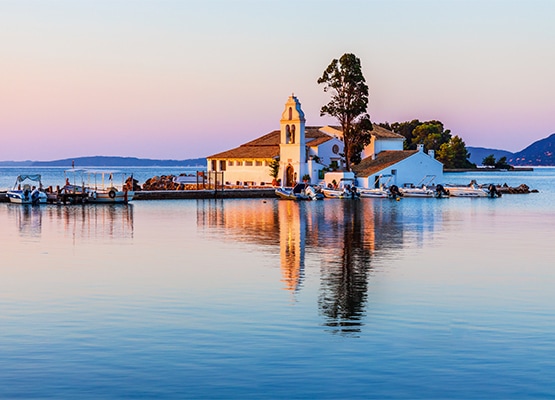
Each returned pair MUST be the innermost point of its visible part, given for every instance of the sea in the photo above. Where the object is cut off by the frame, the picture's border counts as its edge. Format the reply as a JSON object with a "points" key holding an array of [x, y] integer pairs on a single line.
{"points": [[447, 298]]}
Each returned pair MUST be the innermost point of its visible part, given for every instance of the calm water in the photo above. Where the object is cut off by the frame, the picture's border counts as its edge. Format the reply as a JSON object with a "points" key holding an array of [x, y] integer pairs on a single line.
{"points": [[421, 298]]}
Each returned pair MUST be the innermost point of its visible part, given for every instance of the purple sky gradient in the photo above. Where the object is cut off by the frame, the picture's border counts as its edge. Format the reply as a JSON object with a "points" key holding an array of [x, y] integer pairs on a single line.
{"points": [[176, 79]]}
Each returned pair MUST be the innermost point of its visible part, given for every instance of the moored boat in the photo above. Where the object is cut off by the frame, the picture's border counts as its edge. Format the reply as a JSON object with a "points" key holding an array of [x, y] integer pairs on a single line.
{"points": [[348, 192], [25, 193], [98, 186], [471, 190], [421, 189], [374, 193], [299, 192]]}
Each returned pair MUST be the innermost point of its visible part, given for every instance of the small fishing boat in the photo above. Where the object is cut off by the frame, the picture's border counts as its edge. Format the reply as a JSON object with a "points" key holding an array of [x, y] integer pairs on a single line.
{"points": [[422, 188], [26, 193], [97, 186], [348, 192], [299, 192], [471, 190], [374, 193]]}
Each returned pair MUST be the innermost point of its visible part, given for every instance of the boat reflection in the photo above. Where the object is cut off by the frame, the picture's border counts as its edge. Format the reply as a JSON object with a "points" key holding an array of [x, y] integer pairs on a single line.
{"points": [[343, 238], [92, 221], [28, 219]]}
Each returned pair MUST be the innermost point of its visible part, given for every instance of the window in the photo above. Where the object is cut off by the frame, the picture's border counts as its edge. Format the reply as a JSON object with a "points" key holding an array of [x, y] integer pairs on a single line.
{"points": [[287, 134], [335, 149], [239, 163], [258, 163], [214, 164], [290, 113], [248, 163], [230, 163], [222, 165], [292, 133]]}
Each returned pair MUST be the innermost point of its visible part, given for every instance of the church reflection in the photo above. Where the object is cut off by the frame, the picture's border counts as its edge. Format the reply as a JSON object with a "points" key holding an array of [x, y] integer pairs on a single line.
{"points": [[342, 237]]}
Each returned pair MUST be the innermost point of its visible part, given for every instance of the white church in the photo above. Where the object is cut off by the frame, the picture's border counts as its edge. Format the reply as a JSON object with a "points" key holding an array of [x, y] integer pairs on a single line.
{"points": [[313, 154]]}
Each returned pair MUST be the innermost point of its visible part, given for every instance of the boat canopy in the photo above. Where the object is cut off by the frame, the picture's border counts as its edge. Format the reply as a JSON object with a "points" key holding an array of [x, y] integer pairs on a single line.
{"points": [[35, 177]]}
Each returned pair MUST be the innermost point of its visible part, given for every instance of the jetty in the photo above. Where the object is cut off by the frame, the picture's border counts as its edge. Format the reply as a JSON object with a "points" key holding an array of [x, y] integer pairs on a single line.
{"points": [[174, 195]]}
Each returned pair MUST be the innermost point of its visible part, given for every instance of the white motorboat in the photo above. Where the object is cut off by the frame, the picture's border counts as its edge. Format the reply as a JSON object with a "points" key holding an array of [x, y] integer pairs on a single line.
{"points": [[98, 186], [471, 190], [382, 190], [374, 193], [299, 192], [348, 192], [25, 193], [422, 189]]}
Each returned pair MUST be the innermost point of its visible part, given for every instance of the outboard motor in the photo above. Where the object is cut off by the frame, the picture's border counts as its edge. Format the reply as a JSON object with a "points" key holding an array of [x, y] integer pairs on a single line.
{"points": [[394, 191], [493, 192], [35, 196], [441, 191]]}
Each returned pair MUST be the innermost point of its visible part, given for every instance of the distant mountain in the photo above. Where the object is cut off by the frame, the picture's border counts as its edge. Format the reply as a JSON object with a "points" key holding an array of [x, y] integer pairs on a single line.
{"points": [[477, 154], [105, 161], [15, 163], [540, 153]]}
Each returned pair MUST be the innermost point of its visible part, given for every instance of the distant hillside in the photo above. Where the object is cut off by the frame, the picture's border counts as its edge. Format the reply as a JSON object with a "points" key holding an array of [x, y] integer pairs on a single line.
{"points": [[477, 154], [104, 161], [540, 153]]}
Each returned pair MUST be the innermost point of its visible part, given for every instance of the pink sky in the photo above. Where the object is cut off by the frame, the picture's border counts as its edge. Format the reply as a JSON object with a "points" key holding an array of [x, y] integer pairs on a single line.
{"points": [[180, 79]]}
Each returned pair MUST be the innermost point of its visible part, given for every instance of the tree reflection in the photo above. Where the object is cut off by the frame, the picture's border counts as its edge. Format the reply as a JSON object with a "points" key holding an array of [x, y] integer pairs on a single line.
{"points": [[342, 236], [344, 280]]}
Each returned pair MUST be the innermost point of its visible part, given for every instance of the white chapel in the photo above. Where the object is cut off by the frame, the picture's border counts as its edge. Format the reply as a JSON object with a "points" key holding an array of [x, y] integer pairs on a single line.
{"points": [[314, 153]]}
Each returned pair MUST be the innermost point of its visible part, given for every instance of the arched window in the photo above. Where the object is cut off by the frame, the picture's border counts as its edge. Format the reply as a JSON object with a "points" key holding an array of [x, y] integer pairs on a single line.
{"points": [[293, 133], [290, 113], [287, 134]]}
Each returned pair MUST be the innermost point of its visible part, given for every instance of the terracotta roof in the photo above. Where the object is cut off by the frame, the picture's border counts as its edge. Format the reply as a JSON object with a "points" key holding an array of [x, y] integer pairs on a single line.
{"points": [[267, 146], [383, 160], [378, 131], [382, 133]]}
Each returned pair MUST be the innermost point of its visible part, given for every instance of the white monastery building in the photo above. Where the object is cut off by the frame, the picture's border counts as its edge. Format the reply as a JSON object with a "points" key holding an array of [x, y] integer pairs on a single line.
{"points": [[313, 154]]}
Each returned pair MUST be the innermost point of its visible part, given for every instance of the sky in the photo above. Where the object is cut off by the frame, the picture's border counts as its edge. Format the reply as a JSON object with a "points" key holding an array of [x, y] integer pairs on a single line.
{"points": [[169, 79]]}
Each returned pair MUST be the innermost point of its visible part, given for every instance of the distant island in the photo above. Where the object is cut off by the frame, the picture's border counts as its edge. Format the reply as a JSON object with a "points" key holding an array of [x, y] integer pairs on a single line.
{"points": [[107, 161], [540, 153]]}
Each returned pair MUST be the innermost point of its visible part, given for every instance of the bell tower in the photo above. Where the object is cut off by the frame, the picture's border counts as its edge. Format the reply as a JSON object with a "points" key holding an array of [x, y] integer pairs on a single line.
{"points": [[292, 148]]}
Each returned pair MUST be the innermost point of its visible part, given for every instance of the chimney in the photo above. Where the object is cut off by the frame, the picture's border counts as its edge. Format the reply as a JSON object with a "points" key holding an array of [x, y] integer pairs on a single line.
{"points": [[432, 153], [420, 147]]}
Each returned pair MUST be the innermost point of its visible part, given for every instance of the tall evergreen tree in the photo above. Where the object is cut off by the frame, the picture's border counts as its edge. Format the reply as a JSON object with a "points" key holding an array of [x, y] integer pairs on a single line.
{"points": [[454, 154], [349, 103]]}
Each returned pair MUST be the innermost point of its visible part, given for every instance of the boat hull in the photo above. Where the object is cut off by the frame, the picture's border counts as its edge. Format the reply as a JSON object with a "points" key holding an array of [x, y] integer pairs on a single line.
{"points": [[417, 192], [20, 197], [373, 193], [456, 191], [339, 194], [110, 197]]}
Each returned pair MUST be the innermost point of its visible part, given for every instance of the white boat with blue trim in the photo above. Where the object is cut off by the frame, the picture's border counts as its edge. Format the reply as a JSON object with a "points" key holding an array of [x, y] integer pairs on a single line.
{"points": [[25, 192]]}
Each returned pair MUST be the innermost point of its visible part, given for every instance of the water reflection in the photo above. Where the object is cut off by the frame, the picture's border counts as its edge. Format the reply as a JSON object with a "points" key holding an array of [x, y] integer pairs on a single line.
{"points": [[342, 237], [28, 219], [79, 222]]}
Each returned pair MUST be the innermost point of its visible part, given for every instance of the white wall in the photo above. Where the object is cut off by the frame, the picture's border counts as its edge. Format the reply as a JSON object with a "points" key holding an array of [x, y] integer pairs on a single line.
{"points": [[409, 170], [243, 173]]}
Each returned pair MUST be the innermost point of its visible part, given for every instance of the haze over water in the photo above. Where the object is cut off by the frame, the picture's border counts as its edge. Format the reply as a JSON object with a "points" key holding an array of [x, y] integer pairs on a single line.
{"points": [[421, 298]]}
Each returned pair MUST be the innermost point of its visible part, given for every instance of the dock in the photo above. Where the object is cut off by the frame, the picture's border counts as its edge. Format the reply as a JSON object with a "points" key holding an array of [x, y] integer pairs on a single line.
{"points": [[77, 198]]}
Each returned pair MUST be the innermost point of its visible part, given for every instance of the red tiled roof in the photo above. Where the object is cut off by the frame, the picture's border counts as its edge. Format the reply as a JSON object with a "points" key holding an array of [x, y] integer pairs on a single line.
{"points": [[383, 160], [267, 146], [378, 131]]}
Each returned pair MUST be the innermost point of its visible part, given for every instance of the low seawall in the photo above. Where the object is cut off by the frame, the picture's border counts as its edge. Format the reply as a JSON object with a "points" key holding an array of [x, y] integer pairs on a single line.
{"points": [[204, 194], [194, 194]]}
